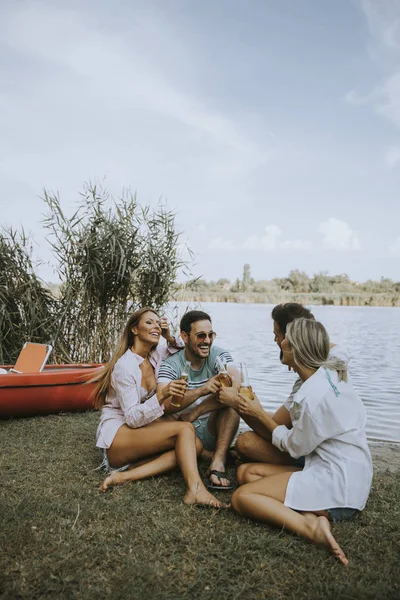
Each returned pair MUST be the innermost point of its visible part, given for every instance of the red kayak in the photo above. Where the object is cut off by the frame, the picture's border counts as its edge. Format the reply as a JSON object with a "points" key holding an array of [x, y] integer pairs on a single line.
{"points": [[58, 388]]}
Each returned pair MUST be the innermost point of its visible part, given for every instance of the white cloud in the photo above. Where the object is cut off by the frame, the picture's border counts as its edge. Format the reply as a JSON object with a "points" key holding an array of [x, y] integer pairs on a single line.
{"points": [[270, 241], [300, 245], [338, 235], [395, 247], [383, 19], [392, 157], [222, 245], [384, 24]]}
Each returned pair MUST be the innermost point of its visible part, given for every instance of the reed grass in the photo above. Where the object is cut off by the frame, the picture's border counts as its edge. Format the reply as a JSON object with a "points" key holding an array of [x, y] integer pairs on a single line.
{"points": [[27, 309], [112, 256]]}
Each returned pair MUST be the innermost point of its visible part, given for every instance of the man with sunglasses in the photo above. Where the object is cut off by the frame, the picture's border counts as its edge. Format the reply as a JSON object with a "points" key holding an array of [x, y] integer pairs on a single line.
{"points": [[215, 424]]}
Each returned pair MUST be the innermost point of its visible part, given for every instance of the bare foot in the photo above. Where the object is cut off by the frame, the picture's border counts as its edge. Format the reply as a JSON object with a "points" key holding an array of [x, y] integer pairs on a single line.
{"points": [[323, 537], [201, 496], [113, 479]]}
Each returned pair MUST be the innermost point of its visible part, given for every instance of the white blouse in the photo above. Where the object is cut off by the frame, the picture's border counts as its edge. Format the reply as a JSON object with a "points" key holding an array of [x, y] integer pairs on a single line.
{"points": [[126, 402], [329, 421]]}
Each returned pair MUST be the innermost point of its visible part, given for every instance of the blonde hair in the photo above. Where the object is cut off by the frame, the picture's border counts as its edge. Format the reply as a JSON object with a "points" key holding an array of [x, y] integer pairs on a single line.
{"points": [[103, 379], [310, 345]]}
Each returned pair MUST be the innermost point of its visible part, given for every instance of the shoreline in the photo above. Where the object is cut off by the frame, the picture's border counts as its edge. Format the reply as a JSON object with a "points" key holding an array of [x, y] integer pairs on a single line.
{"points": [[314, 299], [385, 456]]}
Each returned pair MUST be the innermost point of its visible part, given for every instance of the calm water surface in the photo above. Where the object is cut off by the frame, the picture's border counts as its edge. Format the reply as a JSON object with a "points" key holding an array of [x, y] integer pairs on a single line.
{"points": [[371, 334]]}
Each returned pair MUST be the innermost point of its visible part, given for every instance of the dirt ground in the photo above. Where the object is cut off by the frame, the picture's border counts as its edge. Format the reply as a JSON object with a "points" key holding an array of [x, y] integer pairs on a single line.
{"points": [[385, 457]]}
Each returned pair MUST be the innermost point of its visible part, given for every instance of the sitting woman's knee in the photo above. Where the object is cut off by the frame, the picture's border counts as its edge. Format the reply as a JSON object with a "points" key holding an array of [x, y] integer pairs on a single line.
{"points": [[236, 500], [185, 426], [241, 474]]}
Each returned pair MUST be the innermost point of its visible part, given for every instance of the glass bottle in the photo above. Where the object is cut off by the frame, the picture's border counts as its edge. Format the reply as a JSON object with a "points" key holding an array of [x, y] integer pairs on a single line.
{"points": [[245, 387], [223, 376], [176, 400]]}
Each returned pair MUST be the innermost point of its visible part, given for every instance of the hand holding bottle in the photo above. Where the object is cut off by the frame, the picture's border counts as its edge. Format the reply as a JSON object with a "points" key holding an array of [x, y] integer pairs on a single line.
{"points": [[252, 408], [174, 388], [212, 386], [183, 379], [229, 397]]}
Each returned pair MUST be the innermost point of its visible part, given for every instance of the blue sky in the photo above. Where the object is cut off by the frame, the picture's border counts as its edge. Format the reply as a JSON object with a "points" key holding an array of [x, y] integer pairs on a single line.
{"points": [[271, 127]]}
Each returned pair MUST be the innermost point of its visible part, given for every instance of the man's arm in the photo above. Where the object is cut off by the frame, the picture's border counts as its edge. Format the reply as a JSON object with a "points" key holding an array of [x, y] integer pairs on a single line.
{"points": [[210, 387], [209, 404]]}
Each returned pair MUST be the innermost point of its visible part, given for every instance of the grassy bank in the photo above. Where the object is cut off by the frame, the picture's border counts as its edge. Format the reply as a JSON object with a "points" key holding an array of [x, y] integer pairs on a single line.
{"points": [[61, 538], [330, 299]]}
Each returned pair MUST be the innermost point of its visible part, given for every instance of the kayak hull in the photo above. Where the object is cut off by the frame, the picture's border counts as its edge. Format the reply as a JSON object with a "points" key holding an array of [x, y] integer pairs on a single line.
{"points": [[58, 388]]}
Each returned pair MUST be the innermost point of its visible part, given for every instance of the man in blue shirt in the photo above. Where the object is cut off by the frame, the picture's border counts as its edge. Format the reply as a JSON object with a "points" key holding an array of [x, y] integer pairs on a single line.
{"points": [[215, 424]]}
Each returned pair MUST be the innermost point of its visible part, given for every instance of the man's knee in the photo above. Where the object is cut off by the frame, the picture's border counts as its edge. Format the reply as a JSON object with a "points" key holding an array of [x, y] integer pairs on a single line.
{"points": [[245, 443]]}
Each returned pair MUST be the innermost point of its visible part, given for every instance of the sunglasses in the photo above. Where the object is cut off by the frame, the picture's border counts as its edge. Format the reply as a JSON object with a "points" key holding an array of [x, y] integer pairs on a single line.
{"points": [[201, 337]]}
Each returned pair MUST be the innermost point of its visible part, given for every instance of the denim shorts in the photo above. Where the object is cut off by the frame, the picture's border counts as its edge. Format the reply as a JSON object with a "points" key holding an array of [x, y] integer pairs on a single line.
{"points": [[341, 514], [208, 440], [106, 465], [300, 462]]}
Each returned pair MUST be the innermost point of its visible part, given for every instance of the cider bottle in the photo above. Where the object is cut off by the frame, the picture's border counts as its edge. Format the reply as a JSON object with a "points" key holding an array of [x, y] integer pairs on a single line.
{"points": [[176, 400], [245, 387], [223, 376]]}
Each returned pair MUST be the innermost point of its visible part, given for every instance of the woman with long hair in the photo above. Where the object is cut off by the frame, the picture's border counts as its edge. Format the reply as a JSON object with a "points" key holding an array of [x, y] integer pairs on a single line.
{"points": [[132, 427], [328, 420]]}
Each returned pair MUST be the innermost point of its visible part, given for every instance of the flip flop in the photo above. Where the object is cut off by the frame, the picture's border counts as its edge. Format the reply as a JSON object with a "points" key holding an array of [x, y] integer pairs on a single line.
{"points": [[220, 475]]}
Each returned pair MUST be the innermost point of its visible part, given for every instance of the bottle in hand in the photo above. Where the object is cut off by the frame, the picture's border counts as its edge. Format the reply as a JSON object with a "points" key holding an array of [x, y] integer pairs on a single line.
{"points": [[176, 400], [223, 376], [245, 387]]}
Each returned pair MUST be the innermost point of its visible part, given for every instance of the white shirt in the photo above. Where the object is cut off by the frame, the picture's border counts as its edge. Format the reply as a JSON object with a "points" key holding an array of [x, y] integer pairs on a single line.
{"points": [[329, 421], [124, 403]]}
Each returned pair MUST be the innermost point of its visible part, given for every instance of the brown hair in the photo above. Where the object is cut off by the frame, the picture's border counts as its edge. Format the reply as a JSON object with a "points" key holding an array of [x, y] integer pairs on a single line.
{"points": [[283, 314], [192, 316], [103, 380]]}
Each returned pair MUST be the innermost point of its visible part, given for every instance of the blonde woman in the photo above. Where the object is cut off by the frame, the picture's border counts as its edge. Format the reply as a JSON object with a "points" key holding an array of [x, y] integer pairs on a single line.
{"points": [[132, 427], [328, 420]]}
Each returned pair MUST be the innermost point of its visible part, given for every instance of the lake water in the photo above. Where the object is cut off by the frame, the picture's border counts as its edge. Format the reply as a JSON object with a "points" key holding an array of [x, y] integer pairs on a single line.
{"points": [[371, 334]]}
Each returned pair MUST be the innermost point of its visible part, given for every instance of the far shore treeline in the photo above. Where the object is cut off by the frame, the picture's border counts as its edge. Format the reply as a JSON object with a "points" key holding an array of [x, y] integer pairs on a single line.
{"points": [[321, 288]]}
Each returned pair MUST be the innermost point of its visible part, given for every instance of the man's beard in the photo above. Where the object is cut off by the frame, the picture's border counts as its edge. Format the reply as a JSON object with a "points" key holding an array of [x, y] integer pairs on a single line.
{"points": [[196, 351]]}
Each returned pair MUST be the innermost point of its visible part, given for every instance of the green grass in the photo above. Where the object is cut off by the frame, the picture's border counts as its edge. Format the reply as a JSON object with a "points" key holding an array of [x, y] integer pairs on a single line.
{"points": [[61, 538]]}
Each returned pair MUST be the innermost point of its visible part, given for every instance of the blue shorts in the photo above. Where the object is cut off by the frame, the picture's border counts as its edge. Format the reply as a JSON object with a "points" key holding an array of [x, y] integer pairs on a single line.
{"points": [[300, 462], [208, 440], [341, 514]]}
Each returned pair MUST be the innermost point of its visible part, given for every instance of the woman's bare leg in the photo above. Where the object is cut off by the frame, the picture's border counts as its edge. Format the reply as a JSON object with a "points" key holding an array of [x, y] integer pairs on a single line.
{"points": [[178, 437], [151, 467], [249, 472], [262, 500]]}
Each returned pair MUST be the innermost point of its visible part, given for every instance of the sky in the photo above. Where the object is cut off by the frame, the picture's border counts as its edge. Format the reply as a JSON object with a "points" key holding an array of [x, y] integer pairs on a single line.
{"points": [[271, 127]]}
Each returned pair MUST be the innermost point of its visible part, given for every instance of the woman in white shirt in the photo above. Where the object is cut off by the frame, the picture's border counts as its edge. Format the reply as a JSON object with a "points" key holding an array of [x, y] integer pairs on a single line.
{"points": [[328, 420], [131, 428]]}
